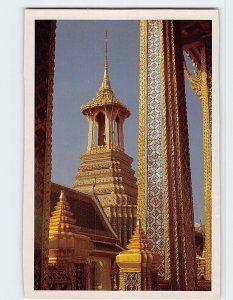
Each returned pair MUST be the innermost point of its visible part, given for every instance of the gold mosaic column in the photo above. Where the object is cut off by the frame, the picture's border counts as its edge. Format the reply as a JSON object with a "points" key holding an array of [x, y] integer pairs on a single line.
{"points": [[179, 214], [176, 209], [142, 162], [201, 83]]}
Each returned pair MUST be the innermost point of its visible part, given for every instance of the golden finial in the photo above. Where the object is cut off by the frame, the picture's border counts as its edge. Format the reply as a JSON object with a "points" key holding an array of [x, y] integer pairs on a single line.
{"points": [[62, 196], [106, 81], [106, 50]]}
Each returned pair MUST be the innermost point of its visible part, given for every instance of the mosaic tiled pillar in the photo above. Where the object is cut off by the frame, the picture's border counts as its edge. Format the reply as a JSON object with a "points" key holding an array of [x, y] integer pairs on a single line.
{"points": [[130, 281], [150, 169], [155, 197], [44, 73], [165, 199], [142, 138]]}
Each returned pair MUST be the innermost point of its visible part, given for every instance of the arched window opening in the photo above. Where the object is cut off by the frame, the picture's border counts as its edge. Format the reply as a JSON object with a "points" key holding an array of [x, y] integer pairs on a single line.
{"points": [[100, 119]]}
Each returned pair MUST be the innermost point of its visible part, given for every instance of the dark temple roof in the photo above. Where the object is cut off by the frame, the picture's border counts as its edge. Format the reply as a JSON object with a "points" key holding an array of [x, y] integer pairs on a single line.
{"points": [[86, 210]]}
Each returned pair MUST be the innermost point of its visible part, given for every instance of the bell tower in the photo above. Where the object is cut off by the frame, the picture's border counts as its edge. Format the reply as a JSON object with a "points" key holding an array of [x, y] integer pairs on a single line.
{"points": [[106, 115], [105, 167]]}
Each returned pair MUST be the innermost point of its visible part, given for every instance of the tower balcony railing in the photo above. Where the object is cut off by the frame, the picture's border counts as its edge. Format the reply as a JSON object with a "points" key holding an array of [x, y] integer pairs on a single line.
{"points": [[104, 148]]}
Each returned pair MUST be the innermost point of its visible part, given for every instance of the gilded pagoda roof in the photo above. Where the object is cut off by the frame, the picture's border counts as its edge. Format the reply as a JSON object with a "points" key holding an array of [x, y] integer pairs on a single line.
{"points": [[139, 250], [105, 96], [80, 209], [62, 221]]}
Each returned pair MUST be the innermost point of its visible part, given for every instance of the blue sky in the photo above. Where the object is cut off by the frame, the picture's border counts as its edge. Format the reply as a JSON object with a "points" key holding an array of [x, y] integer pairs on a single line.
{"points": [[79, 60]]}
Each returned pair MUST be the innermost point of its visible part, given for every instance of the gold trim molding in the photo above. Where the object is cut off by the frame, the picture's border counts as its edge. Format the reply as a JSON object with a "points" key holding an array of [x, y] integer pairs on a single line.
{"points": [[142, 158], [198, 83]]}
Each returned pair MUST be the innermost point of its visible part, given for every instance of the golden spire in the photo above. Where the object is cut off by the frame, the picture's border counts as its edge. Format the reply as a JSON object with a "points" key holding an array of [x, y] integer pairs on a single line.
{"points": [[138, 239], [138, 251], [105, 95], [62, 221], [106, 82], [135, 241], [64, 234]]}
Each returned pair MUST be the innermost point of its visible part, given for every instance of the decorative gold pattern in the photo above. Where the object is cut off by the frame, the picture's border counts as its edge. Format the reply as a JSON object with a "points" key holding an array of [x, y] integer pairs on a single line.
{"points": [[179, 219], [65, 241], [110, 176], [178, 208], [142, 162], [167, 257], [199, 84], [155, 201], [62, 220], [137, 260], [121, 281]]}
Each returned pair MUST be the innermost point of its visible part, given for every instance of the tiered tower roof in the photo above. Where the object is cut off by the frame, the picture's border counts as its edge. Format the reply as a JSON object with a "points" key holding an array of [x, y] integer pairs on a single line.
{"points": [[139, 240], [62, 221], [138, 249]]}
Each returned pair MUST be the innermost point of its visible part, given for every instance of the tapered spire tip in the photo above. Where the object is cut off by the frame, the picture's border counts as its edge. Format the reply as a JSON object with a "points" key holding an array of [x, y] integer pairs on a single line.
{"points": [[106, 81]]}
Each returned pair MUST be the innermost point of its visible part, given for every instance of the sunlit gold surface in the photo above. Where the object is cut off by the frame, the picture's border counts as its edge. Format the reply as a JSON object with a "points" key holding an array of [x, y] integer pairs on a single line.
{"points": [[138, 258], [142, 157], [165, 175], [178, 207], [198, 83], [65, 241]]}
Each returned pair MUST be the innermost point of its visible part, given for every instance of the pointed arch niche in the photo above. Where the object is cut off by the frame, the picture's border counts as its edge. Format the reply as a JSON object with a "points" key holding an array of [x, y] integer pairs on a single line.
{"points": [[100, 123]]}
